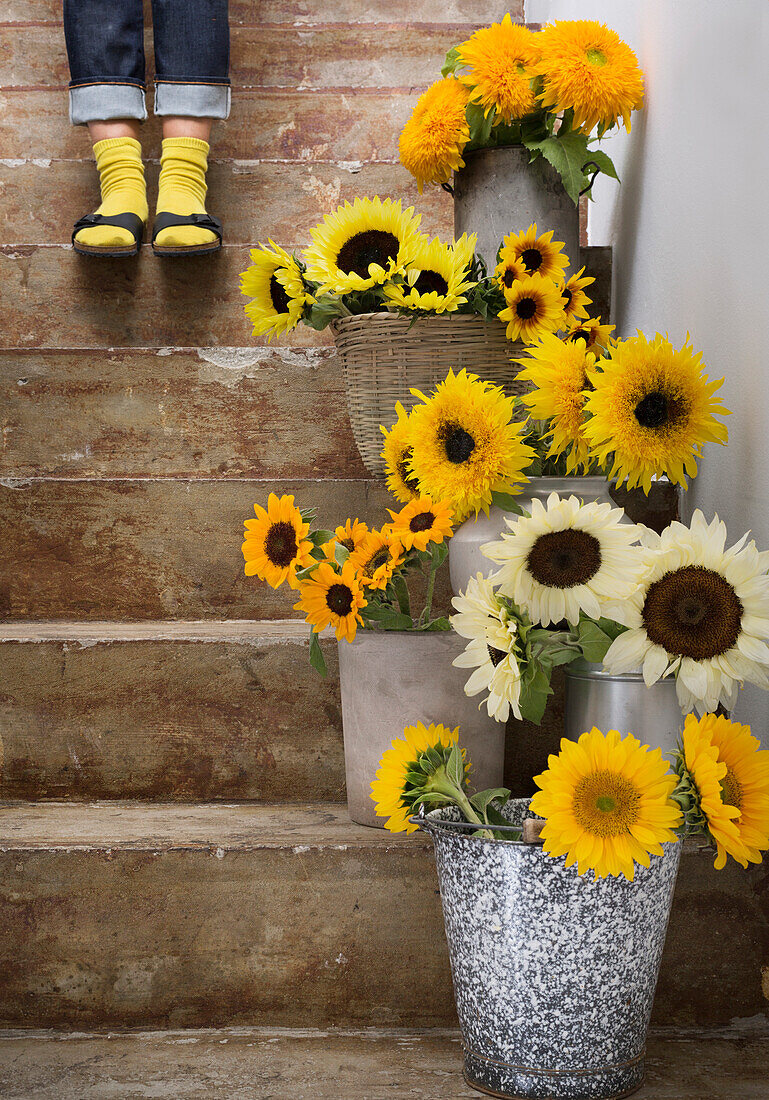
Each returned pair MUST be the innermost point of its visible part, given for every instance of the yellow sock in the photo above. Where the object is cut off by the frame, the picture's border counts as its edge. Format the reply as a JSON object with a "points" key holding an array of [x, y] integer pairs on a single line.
{"points": [[121, 175], [182, 190]]}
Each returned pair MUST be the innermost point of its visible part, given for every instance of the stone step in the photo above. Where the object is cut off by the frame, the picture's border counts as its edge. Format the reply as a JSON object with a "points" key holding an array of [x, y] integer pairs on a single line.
{"points": [[302, 12], [146, 302], [373, 1064], [260, 412], [151, 548], [255, 199], [124, 914], [163, 711], [325, 55]]}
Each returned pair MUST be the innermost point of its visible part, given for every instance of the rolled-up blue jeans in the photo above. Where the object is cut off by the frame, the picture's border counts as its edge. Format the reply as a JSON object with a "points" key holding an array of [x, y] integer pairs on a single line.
{"points": [[105, 45]]}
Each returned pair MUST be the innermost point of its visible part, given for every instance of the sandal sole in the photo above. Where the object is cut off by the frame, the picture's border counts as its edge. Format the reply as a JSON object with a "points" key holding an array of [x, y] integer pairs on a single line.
{"points": [[84, 250], [197, 250]]}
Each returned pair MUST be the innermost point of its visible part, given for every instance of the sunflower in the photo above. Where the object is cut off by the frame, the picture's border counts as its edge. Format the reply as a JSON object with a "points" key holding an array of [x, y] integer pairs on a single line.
{"points": [[432, 141], [361, 245], [540, 255], [568, 558], [351, 534], [376, 559], [730, 772], [421, 522], [573, 294], [276, 542], [652, 409], [394, 789], [492, 648], [701, 612], [332, 596], [465, 444], [501, 61], [534, 307], [590, 332], [587, 68], [559, 374], [508, 271], [274, 282], [397, 455], [437, 277], [607, 805]]}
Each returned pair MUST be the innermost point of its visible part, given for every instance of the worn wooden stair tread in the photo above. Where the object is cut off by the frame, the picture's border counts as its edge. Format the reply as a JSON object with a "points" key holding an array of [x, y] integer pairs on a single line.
{"points": [[371, 1064]]}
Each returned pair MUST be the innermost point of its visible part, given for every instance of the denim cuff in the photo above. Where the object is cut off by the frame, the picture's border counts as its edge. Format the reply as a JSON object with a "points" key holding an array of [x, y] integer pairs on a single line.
{"points": [[192, 100], [100, 102]]}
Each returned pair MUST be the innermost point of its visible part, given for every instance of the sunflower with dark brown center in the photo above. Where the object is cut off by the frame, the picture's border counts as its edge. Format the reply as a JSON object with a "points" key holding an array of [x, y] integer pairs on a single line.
{"points": [[276, 286], [534, 307], [376, 559], [362, 244], [421, 522], [701, 612], [332, 597], [539, 253], [436, 279], [397, 457], [567, 558], [276, 542]]}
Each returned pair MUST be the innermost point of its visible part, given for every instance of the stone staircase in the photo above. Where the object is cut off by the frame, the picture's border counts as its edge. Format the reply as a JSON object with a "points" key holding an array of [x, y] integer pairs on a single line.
{"points": [[174, 846]]}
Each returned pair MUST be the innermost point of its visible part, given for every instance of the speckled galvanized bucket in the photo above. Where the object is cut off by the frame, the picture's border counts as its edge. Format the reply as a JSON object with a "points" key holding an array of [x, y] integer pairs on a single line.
{"points": [[554, 974]]}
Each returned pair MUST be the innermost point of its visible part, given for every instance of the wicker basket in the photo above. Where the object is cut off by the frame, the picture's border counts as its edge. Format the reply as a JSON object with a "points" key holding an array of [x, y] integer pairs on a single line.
{"points": [[384, 355]]}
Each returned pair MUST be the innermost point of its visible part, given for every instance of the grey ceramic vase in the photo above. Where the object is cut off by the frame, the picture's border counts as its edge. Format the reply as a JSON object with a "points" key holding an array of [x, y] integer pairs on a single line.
{"points": [[499, 192], [390, 680], [624, 703], [554, 974], [465, 557]]}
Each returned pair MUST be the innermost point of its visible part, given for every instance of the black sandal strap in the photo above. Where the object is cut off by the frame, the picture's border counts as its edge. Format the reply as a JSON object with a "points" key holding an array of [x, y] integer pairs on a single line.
{"points": [[130, 221], [164, 220]]}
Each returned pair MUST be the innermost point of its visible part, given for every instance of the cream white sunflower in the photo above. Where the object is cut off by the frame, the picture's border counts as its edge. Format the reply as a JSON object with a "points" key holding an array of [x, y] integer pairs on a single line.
{"points": [[701, 613], [492, 650], [568, 557]]}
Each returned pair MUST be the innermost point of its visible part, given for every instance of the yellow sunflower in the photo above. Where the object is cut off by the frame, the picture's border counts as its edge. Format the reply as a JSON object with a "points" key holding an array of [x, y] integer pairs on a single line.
{"points": [[607, 805], [276, 542], [559, 375], [437, 277], [573, 293], [539, 254], [332, 597], [351, 534], [274, 282], [595, 336], [377, 558], [651, 411], [432, 141], [587, 68], [509, 270], [731, 774], [465, 444], [421, 522], [534, 307], [394, 789], [362, 244], [397, 455], [500, 62]]}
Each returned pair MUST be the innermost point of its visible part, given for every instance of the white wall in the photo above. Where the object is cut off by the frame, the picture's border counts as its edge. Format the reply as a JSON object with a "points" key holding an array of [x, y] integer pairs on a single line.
{"points": [[690, 226]]}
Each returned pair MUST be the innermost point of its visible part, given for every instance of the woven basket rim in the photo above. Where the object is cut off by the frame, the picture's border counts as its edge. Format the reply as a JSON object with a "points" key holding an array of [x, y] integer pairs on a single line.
{"points": [[390, 318]]}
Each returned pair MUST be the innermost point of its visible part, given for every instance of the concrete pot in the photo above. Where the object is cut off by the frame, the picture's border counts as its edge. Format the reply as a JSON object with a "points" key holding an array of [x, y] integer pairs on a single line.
{"points": [[554, 974], [465, 557], [391, 680], [624, 703], [499, 192]]}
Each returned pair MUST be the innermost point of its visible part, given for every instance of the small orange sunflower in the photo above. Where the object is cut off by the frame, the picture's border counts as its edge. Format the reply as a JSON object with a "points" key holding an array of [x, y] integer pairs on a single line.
{"points": [[500, 62], [351, 534], [332, 597], [432, 141], [540, 255], [595, 336], [509, 270], [377, 558], [587, 68], [422, 522], [573, 294], [276, 542], [534, 307]]}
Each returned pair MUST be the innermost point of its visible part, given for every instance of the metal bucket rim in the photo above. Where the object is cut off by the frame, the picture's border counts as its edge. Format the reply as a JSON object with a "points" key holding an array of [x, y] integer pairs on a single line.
{"points": [[435, 826], [588, 670]]}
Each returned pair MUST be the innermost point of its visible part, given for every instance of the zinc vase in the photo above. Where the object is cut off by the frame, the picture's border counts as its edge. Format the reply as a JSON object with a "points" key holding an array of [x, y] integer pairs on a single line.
{"points": [[390, 680], [554, 974], [499, 192], [465, 557]]}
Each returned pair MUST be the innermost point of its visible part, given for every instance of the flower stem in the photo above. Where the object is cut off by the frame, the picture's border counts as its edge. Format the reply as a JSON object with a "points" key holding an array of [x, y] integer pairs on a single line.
{"points": [[430, 589], [460, 799]]}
